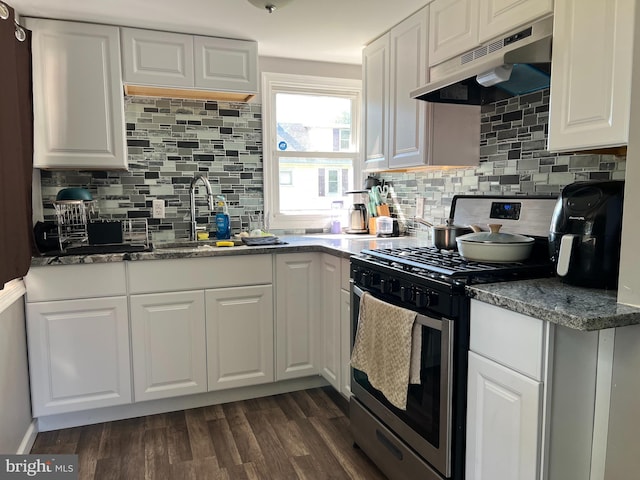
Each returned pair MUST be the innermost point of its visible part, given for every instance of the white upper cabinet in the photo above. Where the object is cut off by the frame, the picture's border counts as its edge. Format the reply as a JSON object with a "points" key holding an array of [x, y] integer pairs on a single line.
{"points": [[500, 16], [225, 64], [375, 65], [175, 60], [150, 57], [453, 28], [408, 57], [78, 106], [591, 74], [401, 132], [457, 26]]}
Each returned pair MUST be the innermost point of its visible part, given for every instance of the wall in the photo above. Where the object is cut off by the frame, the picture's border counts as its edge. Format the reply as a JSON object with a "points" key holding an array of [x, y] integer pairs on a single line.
{"points": [[15, 401], [168, 141], [513, 161]]}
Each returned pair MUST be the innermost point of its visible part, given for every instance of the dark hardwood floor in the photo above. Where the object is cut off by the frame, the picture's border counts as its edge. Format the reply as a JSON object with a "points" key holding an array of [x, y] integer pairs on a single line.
{"points": [[299, 435]]}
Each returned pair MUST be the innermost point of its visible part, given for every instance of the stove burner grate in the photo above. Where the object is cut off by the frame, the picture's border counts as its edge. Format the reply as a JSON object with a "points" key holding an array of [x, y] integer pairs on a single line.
{"points": [[444, 262]]}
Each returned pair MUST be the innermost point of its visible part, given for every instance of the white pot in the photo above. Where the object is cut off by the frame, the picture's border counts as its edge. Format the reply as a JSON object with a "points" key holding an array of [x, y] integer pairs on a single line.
{"points": [[494, 246]]}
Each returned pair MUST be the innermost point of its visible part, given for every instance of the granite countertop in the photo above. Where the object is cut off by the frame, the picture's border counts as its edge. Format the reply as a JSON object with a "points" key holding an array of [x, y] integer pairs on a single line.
{"points": [[551, 300], [546, 299], [343, 245]]}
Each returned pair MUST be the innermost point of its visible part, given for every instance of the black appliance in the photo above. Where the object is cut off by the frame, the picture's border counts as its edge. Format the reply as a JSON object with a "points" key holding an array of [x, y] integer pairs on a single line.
{"points": [[427, 440], [586, 231], [46, 236]]}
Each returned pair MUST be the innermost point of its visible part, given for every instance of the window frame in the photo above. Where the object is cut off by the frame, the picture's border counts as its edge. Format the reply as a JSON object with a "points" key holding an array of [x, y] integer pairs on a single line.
{"points": [[274, 83]]}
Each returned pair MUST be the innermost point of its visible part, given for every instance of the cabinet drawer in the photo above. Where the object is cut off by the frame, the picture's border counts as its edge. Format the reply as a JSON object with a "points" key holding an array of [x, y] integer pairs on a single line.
{"points": [[509, 338], [66, 282], [199, 273]]}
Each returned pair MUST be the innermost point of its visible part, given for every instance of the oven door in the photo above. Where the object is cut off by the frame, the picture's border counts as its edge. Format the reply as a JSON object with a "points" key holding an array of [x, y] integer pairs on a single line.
{"points": [[426, 424]]}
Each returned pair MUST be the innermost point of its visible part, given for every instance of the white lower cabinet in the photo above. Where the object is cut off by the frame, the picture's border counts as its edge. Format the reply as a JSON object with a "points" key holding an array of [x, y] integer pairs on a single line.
{"points": [[296, 314], [330, 352], [168, 344], [505, 392], [503, 422], [239, 336], [78, 354]]}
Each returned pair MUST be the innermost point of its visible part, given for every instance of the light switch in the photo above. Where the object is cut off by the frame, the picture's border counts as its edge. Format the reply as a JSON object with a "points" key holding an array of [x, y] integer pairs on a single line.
{"points": [[158, 208], [419, 206]]}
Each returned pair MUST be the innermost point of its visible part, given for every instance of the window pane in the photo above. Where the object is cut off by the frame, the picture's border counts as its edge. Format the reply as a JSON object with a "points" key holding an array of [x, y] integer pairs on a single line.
{"points": [[313, 123], [315, 184]]}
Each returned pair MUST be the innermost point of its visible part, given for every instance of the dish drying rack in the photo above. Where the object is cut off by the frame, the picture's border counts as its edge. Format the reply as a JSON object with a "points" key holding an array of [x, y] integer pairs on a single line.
{"points": [[73, 216]]}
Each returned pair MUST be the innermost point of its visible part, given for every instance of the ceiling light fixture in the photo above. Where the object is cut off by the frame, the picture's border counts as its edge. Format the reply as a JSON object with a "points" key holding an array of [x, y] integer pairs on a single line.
{"points": [[269, 5]]}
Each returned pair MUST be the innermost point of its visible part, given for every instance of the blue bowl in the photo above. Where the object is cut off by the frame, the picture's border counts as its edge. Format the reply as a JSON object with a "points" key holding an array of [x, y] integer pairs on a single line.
{"points": [[74, 193]]}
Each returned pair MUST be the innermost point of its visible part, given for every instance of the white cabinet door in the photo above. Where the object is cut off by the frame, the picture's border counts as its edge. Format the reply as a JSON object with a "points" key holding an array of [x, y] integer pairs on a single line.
{"points": [[345, 342], [239, 336], [169, 344], [78, 105], [503, 423], [591, 74], [408, 71], [157, 58], [375, 65], [500, 16], [226, 65], [453, 28], [78, 354], [296, 314], [330, 360]]}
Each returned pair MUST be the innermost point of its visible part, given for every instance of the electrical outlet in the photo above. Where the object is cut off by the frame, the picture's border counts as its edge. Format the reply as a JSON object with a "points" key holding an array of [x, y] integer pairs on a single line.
{"points": [[158, 208], [419, 207]]}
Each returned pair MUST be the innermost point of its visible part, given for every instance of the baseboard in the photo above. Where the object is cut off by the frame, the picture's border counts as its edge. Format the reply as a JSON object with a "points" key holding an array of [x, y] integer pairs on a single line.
{"points": [[154, 407], [29, 438]]}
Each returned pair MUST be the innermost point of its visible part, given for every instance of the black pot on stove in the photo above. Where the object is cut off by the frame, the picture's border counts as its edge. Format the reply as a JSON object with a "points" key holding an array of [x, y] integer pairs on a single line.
{"points": [[586, 231]]}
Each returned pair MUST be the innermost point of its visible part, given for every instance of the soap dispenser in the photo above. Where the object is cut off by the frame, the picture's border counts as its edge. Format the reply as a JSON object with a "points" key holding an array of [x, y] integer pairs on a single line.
{"points": [[223, 224]]}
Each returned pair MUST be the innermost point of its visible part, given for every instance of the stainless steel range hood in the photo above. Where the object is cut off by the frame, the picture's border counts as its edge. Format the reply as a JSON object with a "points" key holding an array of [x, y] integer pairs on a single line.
{"points": [[512, 65]]}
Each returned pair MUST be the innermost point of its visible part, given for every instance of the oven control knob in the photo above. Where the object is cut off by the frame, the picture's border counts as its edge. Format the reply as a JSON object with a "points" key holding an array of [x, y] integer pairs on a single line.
{"points": [[388, 285], [422, 298], [367, 279], [405, 294]]}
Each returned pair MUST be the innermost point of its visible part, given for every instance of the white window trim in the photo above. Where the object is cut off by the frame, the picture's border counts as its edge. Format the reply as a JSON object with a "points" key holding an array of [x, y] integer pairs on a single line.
{"points": [[271, 84]]}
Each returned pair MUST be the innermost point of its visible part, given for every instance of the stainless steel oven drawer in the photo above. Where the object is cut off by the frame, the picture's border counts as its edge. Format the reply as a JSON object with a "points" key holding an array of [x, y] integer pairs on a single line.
{"points": [[388, 452]]}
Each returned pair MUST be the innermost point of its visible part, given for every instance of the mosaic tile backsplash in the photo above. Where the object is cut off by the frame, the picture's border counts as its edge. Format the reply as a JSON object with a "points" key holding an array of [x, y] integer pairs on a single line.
{"points": [[168, 141], [513, 161]]}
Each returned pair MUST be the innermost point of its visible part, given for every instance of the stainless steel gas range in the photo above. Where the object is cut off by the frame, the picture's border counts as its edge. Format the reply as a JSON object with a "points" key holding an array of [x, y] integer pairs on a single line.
{"points": [[427, 439]]}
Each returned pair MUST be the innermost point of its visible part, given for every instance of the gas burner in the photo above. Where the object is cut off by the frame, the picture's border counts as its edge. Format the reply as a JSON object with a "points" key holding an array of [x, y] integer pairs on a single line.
{"points": [[449, 265]]}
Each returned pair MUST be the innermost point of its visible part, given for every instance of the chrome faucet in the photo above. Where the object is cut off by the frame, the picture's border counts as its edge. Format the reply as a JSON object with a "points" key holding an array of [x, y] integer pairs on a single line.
{"points": [[192, 200]]}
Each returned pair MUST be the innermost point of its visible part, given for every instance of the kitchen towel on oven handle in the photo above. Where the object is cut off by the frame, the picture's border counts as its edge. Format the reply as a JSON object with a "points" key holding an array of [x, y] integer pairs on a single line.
{"points": [[387, 348]]}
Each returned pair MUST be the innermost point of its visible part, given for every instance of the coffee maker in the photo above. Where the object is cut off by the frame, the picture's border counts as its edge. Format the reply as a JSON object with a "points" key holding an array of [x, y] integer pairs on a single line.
{"points": [[586, 231]]}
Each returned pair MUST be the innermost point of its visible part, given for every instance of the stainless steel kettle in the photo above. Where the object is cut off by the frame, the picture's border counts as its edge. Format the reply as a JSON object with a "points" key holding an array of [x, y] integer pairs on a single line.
{"points": [[357, 218]]}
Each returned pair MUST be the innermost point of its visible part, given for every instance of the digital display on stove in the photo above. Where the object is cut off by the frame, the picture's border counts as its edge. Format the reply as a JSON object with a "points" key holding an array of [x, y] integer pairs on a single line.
{"points": [[505, 210]]}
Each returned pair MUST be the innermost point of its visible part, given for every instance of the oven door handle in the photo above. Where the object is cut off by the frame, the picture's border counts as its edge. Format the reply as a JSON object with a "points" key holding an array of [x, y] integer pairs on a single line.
{"points": [[421, 319]]}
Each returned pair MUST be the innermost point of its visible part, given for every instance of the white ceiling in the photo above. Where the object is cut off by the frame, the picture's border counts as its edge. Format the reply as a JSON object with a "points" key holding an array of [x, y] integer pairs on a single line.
{"points": [[321, 30]]}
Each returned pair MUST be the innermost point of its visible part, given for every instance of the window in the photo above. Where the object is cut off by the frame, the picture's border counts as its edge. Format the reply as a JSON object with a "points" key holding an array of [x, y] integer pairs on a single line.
{"points": [[286, 177], [310, 137]]}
